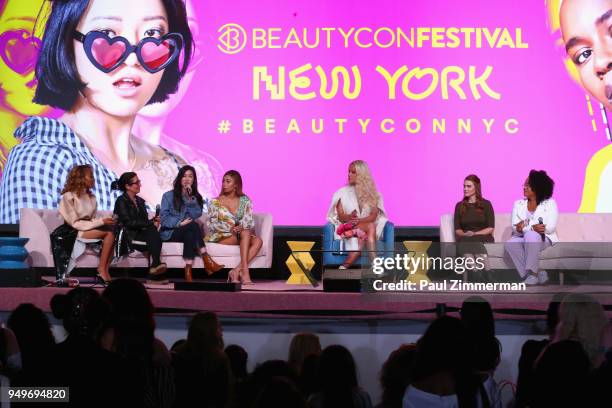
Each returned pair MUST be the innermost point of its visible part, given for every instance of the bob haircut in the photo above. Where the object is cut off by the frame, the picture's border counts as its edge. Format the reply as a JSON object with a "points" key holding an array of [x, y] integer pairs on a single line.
{"points": [[58, 79]]}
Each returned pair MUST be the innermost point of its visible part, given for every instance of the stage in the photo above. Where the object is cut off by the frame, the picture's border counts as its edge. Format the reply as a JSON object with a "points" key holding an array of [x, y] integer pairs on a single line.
{"points": [[275, 299]]}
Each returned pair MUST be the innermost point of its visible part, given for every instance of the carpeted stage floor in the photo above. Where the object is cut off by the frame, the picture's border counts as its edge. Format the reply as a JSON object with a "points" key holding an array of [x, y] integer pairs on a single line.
{"points": [[270, 299]]}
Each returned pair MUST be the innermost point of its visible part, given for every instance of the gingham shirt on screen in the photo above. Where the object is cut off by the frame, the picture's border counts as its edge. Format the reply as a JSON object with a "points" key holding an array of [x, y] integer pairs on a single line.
{"points": [[36, 169]]}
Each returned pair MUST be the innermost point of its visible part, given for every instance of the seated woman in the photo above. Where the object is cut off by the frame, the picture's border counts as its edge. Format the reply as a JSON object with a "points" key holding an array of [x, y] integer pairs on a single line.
{"points": [[358, 213], [78, 209], [474, 219], [230, 222], [135, 225], [180, 208], [534, 223]]}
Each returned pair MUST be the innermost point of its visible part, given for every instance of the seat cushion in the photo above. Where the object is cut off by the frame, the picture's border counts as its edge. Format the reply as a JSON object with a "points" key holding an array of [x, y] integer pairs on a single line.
{"points": [[216, 250]]}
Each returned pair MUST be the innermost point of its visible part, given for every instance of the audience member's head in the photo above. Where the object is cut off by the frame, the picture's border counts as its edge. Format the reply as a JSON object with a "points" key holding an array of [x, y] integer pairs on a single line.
{"points": [[552, 313], [338, 376], [396, 373], [561, 374], [445, 350], [177, 345], [442, 348], [265, 371], [582, 318], [308, 380], [302, 345], [33, 332], [133, 321], [280, 392], [10, 356], [205, 332], [69, 308], [477, 317], [238, 358]]}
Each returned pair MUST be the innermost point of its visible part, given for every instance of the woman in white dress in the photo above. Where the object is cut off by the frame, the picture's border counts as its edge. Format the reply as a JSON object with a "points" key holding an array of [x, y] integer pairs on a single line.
{"points": [[358, 209]]}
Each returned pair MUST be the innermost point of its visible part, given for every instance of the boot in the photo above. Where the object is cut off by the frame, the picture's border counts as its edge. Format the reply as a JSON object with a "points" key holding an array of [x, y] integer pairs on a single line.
{"points": [[188, 275], [210, 266]]}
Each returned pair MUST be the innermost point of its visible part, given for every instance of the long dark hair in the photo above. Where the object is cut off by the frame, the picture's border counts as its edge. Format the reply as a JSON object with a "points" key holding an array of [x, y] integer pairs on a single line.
{"points": [[178, 187], [444, 347], [464, 203], [338, 376]]}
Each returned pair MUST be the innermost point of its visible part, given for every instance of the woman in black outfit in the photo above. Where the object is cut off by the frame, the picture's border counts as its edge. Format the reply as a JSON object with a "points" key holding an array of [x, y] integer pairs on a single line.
{"points": [[134, 224]]}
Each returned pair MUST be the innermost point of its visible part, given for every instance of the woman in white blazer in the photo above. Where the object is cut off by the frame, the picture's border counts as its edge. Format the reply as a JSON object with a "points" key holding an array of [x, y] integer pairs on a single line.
{"points": [[534, 223]]}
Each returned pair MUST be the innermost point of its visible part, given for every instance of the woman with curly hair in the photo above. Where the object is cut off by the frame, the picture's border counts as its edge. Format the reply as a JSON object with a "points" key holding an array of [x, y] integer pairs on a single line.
{"points": [[78, 209], [534, 227], [358, 213]]}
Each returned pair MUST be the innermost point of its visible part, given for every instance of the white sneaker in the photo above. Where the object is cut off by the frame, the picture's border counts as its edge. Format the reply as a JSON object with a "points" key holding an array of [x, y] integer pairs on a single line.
{"points": [[531, 280], [342, 267], [542, 277]]}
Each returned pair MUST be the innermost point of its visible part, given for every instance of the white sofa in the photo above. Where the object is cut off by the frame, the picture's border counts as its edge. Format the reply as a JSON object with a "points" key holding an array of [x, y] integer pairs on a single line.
{"points": [[37, 225], [585, 243]]}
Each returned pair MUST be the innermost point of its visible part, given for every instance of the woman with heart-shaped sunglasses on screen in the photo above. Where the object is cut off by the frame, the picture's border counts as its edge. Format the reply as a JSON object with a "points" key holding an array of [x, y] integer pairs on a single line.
{"points": [[101, 61], [19, 47]]}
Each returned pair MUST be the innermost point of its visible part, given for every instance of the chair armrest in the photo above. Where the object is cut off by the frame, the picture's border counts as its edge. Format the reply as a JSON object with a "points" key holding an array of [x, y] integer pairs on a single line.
{"points": [[329, 230], [31, 226], [389, 236], [264, 229]]}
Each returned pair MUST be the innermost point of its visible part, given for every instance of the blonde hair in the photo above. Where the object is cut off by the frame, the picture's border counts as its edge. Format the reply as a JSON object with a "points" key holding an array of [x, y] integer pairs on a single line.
{"points": [[365, 189], [583, 319], [302, 345]]}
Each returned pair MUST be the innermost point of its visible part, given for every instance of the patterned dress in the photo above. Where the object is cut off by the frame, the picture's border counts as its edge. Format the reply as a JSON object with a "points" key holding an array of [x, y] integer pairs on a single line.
{"points": [[221, 220]]}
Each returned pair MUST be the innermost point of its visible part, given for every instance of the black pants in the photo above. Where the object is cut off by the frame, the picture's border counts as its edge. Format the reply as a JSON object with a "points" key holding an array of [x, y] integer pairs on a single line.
{"points": [[191, 237], [150, 235]]}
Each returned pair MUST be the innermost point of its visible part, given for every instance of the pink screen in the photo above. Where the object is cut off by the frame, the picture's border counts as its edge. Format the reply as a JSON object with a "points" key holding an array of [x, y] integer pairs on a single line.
{"points": [[540, 119]]}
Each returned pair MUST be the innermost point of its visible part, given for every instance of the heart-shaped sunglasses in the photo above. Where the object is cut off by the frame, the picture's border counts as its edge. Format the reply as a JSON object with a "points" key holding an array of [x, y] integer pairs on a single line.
{"points": [[106, 54], [19, 50]]}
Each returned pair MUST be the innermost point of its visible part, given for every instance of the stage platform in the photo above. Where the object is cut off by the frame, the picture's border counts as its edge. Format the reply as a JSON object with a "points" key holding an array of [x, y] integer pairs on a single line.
{"points": [[275, 299]]}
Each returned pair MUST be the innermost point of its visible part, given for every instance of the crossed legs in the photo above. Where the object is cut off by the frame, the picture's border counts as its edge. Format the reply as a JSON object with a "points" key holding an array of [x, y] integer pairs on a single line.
{"points": [[370, 229], [250, 245]]}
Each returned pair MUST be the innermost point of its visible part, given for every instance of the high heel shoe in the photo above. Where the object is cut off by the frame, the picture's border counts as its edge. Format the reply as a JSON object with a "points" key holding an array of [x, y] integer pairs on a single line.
{"points": [[101, 280], [210, 266], [188, 273], [244, 282], [232, 277]]}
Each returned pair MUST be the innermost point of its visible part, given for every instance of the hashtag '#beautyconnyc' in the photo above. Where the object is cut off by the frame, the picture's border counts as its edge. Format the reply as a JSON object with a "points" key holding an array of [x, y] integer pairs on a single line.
{"points": [[224, 126]]}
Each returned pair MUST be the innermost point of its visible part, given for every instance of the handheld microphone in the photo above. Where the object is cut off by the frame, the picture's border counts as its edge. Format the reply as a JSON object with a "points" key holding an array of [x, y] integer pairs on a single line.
{"points": [[157, 210], [541, 221]]}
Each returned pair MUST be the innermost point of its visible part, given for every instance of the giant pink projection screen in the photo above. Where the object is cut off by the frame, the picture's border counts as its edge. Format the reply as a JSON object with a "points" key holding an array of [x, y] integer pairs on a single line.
{"points": [[426, 92]]}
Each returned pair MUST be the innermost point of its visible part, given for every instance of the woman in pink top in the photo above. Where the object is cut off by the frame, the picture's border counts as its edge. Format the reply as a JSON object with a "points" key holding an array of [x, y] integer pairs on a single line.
{"points": [[78, 208]]}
